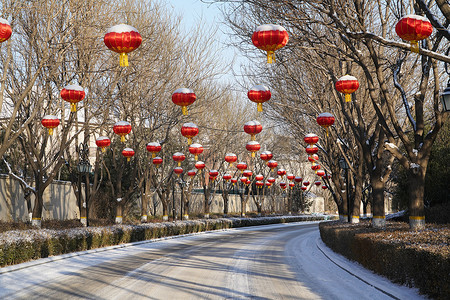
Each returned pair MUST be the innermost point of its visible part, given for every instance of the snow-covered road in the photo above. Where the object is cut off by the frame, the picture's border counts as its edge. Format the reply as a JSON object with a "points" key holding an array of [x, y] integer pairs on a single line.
{"points": [[283, 261]]}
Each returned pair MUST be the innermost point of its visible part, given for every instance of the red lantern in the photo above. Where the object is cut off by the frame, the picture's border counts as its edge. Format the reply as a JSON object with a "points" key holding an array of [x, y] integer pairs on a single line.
{"points": [[283, 185], [248, 173], [191, 173], [212, 178], [317, 182], [315, 167], [311, 149], [270, 38], [311, 138], [248, 182], [303, 188], [290, 177], [213, 173], [266, 155], [153, 148], [5, 30], [253, 147], [347, 85], [128, 153], [268, 184], [196, 150], [226, 177], [320, 173], [271, 180], [305, 183], [324, 187], [259, 94], [241, 166], [291, 185], [231, 158], [272, 164], [259, 184], [73, 93], [184, 97], [200, 165], [103, 142], [243, 180], [178, 171], [233, 180], [178, 157], [325, 120], [189, 130], [298, 179], [281, 172], [413, 28], [252, 128], [157, 161], [50, 122], [122, 39], [314, 157], [122, 128], [259, 177]]}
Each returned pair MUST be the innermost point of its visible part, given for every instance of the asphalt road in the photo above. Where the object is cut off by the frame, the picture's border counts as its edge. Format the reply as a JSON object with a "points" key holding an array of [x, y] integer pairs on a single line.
{"points": [[284, 261]]}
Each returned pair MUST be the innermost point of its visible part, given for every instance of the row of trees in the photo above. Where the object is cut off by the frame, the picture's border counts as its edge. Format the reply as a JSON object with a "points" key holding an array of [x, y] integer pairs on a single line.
{"points": [[55, 43], [395, 114]]}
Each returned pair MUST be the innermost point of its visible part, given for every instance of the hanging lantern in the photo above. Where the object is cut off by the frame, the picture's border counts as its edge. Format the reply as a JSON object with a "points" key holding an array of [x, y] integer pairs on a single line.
{"points": [[73, 93], [157, 161], [315, 167], [226, 177], [305, 183], [266, 156], [259, 184], [324, 187], [252, 128], [311, 149], [191, 173], [317, 182], [325, 120], [122, 128], [281, 172], [248, 173], [329, 176], [270, 38], [413, 28], [241, 166], [50, 122], [244, 180], [153, 148], [5, 30], [128, 153], [122, 39], [320, 173], [248, 181], [103, 142], [290, 177], [233, 180], [200, 165], [196, 150], [189, 130], [268, 184], [283, 185], [231, 158], [303, 188], [311, 138], [298, 179], [178, 171], [272, 164], [178, 157], [259, 177], [314, 157], [271, 180], [291, 185], [184, 97], [347, 85], [259, 94], [253, 147], [213, 173]]}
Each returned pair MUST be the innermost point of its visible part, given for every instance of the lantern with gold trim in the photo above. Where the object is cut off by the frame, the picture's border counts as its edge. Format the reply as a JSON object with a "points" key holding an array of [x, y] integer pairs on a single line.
{"points": [[178, 157], [122, 39], [103, 142], [252, 128], [413, 28], [128, 153], [196, 150], [269, 37], [153, 148], [157, 161], [253, 147], [5, 30], [73, 93], [122, 128], [189, 130], [325, 120], [259, 94], [230, 158], [50, 122], [183, 97]]}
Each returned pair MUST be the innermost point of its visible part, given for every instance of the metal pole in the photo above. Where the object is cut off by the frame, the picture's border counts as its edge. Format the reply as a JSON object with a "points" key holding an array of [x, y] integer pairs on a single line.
{"points": [[86, 195], [173, 201], [348, 196], [182, 200]]}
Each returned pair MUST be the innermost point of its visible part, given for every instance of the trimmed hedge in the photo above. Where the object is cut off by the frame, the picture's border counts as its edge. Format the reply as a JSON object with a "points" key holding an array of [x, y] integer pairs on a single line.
{"points": [[19, 246], [403, 263]]}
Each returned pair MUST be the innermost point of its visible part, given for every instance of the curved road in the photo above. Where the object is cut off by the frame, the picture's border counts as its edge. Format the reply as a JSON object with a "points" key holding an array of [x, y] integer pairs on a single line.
{"points": [[283, 261]]}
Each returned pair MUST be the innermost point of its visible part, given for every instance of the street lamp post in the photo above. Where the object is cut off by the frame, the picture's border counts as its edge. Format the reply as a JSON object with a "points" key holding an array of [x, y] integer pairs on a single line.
{"points": [[343, 164], [445, 96], [182, 184], [84, 167]]}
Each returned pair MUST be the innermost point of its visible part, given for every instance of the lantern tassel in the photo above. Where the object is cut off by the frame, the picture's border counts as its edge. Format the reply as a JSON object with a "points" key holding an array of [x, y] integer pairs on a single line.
{"points": [[259, 107], [253, 154], [253, 137], [414, 46], [50, 131], [122, 138], [103, 149], [190, 142], [270, 57], [153, 155], [184, 110], [327, 131], [128, 159], [348, 98], [196, 157], [73, 107], [123, 61], [179, 163]]}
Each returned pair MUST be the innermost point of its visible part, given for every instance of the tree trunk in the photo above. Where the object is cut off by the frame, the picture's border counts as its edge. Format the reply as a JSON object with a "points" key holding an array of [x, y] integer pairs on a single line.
{"points": [[38, 202], [416, 202], [357, 196], [379, 219], [225, 201], [206, 205], [145, 200], [165, 207], [119, 211]]}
